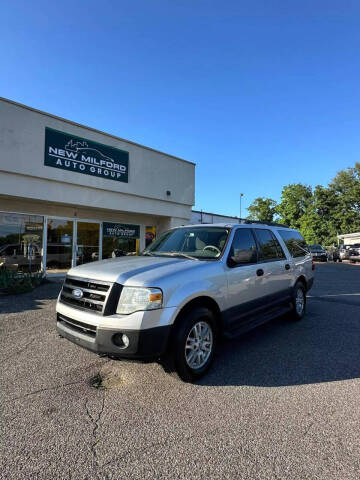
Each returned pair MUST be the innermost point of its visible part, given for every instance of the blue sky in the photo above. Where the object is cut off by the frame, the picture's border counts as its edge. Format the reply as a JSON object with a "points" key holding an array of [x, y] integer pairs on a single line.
{"points": [[258, 94]]}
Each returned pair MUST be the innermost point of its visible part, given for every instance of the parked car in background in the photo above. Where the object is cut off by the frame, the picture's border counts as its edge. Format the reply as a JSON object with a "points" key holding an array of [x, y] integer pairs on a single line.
{"points": [[318, 253], [16, 256], [354, 253], [336, 255], [344, 252]]}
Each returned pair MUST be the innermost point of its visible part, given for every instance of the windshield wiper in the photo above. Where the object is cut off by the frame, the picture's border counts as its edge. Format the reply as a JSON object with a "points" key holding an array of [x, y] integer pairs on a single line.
{"points": [[176, 254]]}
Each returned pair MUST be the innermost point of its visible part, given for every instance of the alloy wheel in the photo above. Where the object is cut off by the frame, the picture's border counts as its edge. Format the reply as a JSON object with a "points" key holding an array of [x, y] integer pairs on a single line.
{"points": [[198, 345], [300, 301]]}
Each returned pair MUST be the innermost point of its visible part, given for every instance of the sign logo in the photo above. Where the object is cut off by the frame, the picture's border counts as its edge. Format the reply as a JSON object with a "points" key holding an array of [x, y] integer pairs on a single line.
{"points": [[120, 230], [77, 293], [73, 153]]}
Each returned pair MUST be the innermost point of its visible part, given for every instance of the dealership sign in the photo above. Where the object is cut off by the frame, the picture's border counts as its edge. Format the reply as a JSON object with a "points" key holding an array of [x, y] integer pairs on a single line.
{"points": [[76, 154], [120, 230]]}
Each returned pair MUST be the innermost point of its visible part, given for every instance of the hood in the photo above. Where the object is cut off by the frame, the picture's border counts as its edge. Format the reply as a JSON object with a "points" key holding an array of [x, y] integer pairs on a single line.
{"points": [[135, 271]]}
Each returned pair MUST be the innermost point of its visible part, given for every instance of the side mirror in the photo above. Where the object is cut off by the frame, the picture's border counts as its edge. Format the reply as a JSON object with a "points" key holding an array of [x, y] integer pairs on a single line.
{"points": [[242, 257]]}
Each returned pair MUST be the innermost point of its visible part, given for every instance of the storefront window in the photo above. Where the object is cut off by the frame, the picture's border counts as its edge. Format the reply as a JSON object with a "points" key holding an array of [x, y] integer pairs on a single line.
{"points": [[87, 242], [59, 244], [120, 239], [21, 242]]}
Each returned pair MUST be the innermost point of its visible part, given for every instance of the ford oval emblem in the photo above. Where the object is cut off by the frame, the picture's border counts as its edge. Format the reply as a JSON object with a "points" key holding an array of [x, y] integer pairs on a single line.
{"points": [[77, 293]]}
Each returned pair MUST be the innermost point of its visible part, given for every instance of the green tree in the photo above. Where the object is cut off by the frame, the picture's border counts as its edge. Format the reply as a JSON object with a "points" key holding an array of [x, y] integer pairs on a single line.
{"points": [[263, 209], [296, 199], [333, 209], [316, 224], [320, 214], [345, 187]]}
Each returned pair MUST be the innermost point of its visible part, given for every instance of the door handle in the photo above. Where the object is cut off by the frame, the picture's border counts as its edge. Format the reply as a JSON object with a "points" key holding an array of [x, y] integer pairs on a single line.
{"points": [[287, 267], [260, 272]]}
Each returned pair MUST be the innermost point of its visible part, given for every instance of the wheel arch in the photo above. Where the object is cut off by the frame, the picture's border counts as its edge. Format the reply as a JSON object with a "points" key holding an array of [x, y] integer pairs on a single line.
{"points": [[201, 301], [302, 279]]}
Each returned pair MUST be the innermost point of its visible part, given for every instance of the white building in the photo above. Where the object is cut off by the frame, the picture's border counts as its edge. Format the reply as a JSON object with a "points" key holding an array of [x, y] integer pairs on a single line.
{"points": [[70, 194], [349, 238]]}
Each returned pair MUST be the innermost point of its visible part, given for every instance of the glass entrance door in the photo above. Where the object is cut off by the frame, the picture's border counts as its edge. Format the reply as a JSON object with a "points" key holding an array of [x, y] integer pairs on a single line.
{"points": [[88, 236], [59, 244]]}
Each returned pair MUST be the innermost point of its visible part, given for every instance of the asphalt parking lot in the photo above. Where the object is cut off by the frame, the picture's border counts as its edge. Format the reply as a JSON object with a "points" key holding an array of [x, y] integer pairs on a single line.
{"points": [[282, 402]]}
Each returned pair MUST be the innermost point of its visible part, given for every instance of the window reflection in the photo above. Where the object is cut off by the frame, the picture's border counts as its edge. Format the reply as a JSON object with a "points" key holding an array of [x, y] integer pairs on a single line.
{"points": [[87, 242], [59, 244], [21, 242]]}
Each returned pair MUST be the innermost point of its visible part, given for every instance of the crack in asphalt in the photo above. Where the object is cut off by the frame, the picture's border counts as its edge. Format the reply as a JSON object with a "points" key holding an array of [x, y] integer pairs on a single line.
{"points": [[308, 429], [20, 351], [46, 389], [96, 424]]}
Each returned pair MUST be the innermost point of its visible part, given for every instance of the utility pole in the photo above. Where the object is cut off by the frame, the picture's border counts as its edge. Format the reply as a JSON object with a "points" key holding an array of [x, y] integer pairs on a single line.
{"points": [[241, 195]]}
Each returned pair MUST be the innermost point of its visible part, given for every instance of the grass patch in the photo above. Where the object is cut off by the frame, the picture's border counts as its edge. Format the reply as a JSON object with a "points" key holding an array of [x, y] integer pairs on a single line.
{"points": [[97, 382]]}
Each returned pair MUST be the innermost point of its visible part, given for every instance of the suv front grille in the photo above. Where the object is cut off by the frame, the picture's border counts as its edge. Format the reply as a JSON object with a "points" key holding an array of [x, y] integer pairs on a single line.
{"points": [[94, 294], [81, 327]]}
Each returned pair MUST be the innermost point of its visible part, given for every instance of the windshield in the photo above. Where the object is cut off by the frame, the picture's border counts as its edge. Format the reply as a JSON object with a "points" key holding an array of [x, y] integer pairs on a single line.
{"points": [[316, 248], [190, 242]]}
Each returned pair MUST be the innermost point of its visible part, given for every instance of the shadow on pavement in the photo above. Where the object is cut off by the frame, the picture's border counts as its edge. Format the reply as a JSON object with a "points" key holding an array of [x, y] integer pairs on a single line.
{"points": [[283, 352], [29, 301]]}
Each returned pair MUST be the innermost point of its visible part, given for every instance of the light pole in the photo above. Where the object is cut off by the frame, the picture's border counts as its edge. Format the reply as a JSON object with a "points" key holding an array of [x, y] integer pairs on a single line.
{"points": [[241, 195]]}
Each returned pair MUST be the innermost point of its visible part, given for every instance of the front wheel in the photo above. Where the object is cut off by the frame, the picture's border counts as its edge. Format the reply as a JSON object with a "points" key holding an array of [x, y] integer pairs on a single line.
{"points": [[299, 301], [192, 347]]}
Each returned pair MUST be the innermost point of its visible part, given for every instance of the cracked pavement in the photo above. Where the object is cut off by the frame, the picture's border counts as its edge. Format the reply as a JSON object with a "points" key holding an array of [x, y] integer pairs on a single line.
{"points": [[281, 402]]}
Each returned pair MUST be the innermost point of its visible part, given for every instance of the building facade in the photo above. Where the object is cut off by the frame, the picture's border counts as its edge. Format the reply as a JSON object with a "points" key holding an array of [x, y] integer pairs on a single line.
{"points": [[70, 194], [207, 217]]}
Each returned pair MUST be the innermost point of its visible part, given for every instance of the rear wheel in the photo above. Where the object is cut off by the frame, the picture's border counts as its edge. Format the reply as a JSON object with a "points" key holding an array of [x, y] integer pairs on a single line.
{"points": [[192, 346], [299, 301]]}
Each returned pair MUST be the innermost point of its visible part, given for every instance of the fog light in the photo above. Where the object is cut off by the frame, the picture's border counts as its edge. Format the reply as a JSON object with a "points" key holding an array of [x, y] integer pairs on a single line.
{"points": [[121, 340]]}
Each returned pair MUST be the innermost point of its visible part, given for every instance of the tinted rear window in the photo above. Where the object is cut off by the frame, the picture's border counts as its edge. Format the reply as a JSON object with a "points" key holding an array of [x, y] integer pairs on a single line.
{"points": [[294, 242]]}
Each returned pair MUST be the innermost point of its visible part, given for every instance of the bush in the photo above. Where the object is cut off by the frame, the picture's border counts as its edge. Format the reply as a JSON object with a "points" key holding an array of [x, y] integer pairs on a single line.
{"points": [[14, 283]]}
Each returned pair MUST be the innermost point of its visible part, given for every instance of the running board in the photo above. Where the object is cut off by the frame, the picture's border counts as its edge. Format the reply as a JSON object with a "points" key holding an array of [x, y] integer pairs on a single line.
{"points": [[254, 322]]}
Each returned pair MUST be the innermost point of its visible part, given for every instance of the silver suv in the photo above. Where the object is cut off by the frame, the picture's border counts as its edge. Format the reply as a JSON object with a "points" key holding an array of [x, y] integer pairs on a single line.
{"points": [[188, 288]]}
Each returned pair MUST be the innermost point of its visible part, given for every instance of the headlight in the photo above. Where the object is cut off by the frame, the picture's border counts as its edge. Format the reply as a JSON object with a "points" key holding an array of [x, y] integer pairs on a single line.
{"points": [[133, 299]]}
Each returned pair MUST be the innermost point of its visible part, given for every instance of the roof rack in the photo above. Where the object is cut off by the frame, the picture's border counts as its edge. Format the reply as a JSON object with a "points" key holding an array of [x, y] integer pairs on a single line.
{"points": [[259, 222]]}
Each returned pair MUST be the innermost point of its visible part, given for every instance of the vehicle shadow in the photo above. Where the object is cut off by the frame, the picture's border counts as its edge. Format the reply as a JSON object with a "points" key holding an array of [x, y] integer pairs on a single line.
{"points": [[283, 352], [34, 300]]}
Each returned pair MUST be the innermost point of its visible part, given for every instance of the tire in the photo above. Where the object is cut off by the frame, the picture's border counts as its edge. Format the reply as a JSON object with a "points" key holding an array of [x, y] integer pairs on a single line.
{"points": [[299, 307], [195, 333]]}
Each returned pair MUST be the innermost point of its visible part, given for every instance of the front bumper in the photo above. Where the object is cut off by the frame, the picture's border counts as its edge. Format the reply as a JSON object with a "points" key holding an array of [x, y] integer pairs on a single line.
{"points": [[320, 258], [143, 344]]}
